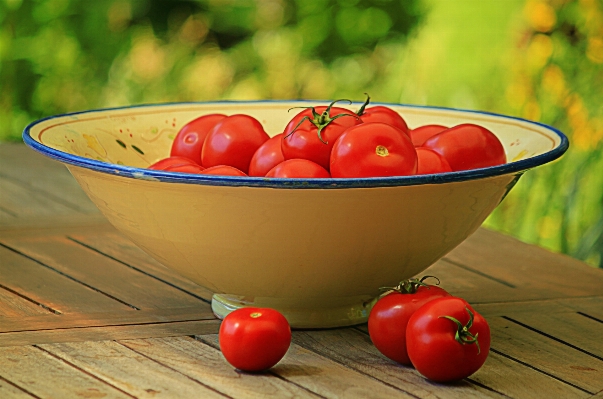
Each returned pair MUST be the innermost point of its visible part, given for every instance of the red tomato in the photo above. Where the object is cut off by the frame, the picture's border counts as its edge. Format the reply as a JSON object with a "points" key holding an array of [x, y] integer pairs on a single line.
{"points": [[223, 170], [373, 149], [164, 163], [430, 162], [254, 339], [298, 168], [389, 316], [420, 134], [383, 114], [447, 340], [468, 146], [267, 156], [311, 134], [189, 140], [233, 141]]}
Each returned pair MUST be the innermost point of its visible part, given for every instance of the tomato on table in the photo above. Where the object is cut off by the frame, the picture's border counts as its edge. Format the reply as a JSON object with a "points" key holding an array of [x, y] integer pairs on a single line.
{"points": [[468, 146], [223, 170], [299, 168], [420, 134], [254, 339], [430, 162], [389, 316], [312, 133], [447, 340], [233, 141], [373, 150], [267, 156], [189, 140]]}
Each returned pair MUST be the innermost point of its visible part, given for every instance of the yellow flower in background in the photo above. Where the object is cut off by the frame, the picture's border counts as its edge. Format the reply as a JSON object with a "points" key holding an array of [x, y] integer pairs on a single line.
{"points": [[553, 82], [540, 15], [539, 51], [594, 50]]}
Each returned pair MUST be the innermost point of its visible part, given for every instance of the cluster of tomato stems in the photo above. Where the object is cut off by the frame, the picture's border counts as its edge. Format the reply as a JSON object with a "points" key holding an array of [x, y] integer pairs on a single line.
{"points": [[323, 119], [462, 334]]}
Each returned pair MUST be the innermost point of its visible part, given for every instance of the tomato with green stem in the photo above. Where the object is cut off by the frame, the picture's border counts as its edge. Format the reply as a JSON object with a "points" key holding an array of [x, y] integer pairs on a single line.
{"points": [[312, 133], [447, 340], [383, 114], [389, 316]]}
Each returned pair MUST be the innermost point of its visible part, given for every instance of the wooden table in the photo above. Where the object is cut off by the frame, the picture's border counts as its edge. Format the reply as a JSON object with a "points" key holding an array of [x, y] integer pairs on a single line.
{"points": [[85, 313]]}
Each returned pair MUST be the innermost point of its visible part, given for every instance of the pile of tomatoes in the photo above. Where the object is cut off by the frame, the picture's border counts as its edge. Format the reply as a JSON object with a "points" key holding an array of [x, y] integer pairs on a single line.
{"points": [[414, 324], [330, 141]]}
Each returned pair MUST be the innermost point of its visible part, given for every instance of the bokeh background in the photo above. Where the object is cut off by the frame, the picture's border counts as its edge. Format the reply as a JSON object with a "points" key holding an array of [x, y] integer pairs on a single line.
{"points": [[536, 59]]}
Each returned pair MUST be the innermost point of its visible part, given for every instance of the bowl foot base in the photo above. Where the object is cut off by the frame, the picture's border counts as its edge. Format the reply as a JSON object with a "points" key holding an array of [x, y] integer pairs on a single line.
{"points": [[303, 313]]}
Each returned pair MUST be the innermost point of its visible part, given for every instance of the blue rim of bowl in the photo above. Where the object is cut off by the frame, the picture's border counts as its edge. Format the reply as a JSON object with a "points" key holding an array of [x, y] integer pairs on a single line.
{"points": [[516, 167]]}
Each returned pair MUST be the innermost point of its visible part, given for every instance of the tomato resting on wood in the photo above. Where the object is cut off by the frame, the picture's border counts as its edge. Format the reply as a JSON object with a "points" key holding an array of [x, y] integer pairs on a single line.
{"points": [[468, 146], [389, 316], [254, 339], [312, 133], [189, 140], [233, 141], [373, 150], [447, 340]]}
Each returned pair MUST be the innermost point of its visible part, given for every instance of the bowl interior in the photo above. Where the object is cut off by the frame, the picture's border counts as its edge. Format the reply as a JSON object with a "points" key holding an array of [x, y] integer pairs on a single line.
{"points": [[140, 135]]}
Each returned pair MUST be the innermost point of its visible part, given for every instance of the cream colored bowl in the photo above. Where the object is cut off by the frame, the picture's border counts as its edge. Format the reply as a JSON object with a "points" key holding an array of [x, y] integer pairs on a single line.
{"points": [[318, 250]]}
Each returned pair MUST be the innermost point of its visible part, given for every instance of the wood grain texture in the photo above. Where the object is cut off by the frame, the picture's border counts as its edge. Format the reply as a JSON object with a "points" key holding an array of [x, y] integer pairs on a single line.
{"points": [[10, 391], [116, 246], [206, 364], [573, 329], [14, 306], [546, 355], [38, 173], [102, 273], [323, 376], [527, 267], [48, 377], [49, 287], [522, 381], [131, 331], [354, 349], [130, 371]]}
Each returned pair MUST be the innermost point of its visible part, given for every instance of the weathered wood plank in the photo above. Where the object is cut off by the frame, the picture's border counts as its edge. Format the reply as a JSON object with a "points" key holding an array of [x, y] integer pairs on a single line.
{"points": [[49, 288], [48, 377], [39, 173], [12, 305], [23, 202], [547, 355], [104, 274], [10, 391], [527, 267], [116, 246], [206, 364], [134, 331], [354, 349], [127, 317], [520, 381], [588, 305], [324, 376], [574, 329], [130, 371]]}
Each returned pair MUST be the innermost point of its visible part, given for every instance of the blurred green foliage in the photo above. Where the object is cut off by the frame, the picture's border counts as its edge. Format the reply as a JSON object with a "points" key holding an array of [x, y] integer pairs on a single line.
{"points": [[537, 59]]}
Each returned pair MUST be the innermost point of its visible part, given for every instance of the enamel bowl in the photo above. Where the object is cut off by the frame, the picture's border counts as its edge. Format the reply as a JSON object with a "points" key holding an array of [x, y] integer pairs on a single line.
{"points": [[318, 250]]}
